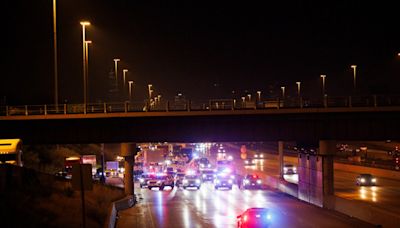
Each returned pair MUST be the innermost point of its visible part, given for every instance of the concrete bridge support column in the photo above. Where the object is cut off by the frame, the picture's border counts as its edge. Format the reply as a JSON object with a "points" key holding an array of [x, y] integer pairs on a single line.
{"points": [[327, 150], [127, 151], [280, 159]]}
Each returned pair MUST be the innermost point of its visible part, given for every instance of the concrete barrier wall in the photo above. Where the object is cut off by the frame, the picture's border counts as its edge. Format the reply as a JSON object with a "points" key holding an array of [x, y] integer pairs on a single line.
{"points": [[116, 206], [365, 212], [112, 217], [281, 185]]}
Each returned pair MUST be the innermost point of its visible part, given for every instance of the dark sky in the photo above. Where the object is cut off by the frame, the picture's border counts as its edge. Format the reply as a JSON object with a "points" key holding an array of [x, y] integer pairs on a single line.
{"points": [[202, 49]]}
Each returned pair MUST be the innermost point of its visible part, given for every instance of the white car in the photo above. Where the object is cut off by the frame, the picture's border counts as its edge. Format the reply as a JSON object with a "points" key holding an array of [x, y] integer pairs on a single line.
{"points": [[160, 181]]}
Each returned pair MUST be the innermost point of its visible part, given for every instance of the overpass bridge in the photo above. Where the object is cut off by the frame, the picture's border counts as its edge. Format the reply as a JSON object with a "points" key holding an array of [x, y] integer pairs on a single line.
{"points": [[224, 125], [321, 125]]}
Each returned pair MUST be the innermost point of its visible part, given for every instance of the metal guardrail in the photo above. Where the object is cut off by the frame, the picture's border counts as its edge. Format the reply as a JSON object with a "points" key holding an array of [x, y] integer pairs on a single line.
{"points": [[208, 105]]}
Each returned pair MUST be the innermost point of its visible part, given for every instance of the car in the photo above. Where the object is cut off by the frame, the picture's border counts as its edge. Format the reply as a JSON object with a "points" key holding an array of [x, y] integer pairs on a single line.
{"points": [[203, 163], [366, 179], [178, 178], [144, 178], [254, 217], [191, 181], [252, 182], [160, 181], [249, 162], [223, 181], [207, 175], [289, 169], [61, 174], [258, 155]]}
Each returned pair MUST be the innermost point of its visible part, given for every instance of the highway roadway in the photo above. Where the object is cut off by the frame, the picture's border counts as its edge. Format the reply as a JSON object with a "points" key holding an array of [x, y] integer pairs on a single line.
{"points": [[385, 195], [218, 208]]}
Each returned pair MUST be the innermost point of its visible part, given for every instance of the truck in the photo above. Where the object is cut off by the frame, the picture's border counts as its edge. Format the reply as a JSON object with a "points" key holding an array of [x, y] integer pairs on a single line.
{"points": [[68, 163], [154, 156], [11, 151]]}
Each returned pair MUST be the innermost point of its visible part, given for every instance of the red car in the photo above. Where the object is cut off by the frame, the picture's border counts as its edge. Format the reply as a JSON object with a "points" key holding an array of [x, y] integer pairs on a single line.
{"points": [[254, 217]]}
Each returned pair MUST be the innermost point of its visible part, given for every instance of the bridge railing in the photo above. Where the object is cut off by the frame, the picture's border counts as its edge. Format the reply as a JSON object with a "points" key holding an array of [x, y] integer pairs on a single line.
{"points": [[202, 105]]}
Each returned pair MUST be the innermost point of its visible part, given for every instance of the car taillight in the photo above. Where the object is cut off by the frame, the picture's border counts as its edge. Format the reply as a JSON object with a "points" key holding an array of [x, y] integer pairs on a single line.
{"points": [[245, 218]]}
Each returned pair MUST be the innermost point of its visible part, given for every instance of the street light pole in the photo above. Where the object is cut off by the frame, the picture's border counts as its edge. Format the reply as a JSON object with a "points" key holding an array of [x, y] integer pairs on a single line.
{"points": [[150, 90], [298, 88], [87, 42], [323, 76], [55, 54], [259, 95], [130, 89], [116, 71], [124, 71], [354, 75], [84, 24], [283, 92]]}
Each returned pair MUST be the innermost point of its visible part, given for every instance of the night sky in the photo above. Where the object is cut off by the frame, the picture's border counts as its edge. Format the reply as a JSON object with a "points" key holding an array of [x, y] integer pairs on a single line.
{"points": [[201, 49]]}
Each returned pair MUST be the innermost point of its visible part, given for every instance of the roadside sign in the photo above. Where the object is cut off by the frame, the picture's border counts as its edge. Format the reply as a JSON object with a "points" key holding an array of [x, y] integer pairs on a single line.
{"points": [[82, 177]]}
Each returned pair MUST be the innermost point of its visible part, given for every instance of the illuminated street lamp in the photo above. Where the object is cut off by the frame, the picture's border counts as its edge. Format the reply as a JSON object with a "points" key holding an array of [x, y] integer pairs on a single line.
{"points": [[259, 95], [116, 71], [130, 89], [150, 90], [124, 71], [323, 76], [249, 95], [298, 88], [283, 91], [84, 24], [354, 74]]}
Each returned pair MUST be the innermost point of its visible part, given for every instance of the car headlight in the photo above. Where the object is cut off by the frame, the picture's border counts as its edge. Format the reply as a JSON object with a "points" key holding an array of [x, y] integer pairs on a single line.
{"points": [[373, 180], [362, 180], [232, 177], [141, 180], [258, 181], [202, 165], [209, 165], [197, 181], [246, 181], [261, 155], [158, 182], [246, 162], [185, 181], [285, 169], [204, 175], [294, 169], [256, 155], [230, 181], [217, 181]]}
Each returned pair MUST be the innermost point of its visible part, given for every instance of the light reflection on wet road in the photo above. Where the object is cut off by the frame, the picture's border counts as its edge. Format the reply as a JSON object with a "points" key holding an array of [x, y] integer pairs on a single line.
{"points": [[208, 207]]}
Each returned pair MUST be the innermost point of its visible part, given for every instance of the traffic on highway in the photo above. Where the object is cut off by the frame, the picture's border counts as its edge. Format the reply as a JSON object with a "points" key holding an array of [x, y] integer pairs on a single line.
{"points": [[218, 188]]}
